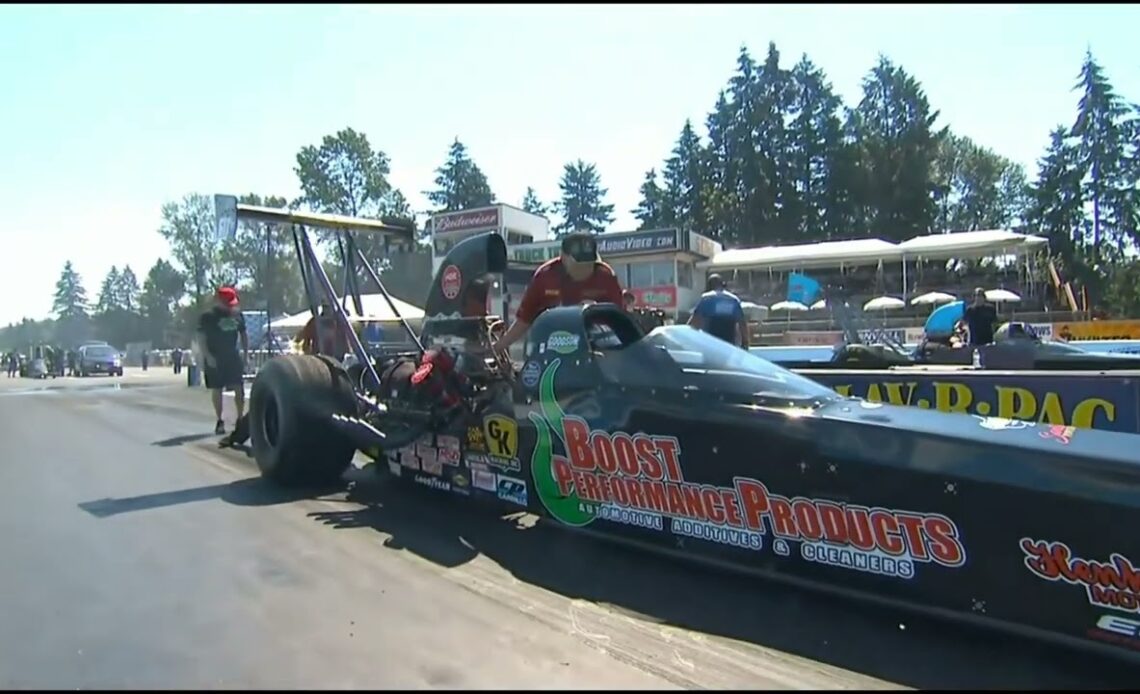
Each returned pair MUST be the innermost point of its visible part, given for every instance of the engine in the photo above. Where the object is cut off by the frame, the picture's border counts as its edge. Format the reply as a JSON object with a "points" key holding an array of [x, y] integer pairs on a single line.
{"points": [[458, 375]]}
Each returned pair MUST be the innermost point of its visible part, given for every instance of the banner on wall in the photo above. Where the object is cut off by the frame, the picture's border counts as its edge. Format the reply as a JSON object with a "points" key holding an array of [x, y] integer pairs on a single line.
{"points": [[813, 338], [663, 297], [1098, 330]]}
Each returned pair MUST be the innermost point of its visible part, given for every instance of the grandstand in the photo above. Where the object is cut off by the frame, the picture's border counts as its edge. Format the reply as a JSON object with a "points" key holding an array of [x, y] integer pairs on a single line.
{"points": [[862, 269]]}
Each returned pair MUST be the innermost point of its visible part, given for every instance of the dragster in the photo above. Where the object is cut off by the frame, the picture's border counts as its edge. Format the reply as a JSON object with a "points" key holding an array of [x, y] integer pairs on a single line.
{"points": [[679, 443]]}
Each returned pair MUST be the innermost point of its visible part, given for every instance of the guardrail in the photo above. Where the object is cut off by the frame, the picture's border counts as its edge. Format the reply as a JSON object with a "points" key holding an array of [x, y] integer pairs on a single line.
{"points": [[801, 333]]}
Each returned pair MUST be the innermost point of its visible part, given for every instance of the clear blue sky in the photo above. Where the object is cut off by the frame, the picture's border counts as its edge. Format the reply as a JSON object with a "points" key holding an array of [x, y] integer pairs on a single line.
{"points": [[108, 112]]}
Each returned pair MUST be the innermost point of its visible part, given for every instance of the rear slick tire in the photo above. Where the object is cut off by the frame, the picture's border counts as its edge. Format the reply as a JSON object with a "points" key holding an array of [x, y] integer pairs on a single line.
{"points": [[291, 405]]}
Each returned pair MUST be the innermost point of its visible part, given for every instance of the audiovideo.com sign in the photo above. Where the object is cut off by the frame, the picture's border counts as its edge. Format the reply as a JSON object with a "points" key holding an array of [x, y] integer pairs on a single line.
{"points": [[610, 245], [1098, 330]]}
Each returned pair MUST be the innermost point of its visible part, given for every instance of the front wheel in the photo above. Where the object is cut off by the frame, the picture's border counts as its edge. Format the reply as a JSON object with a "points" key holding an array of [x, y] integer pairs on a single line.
{"points": [[291, 405]]}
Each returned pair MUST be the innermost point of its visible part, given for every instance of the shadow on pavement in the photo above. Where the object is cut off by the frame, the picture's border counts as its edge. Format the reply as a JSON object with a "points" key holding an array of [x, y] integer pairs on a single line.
{"points": [[887, 644], [251, 491], [182, 440]]}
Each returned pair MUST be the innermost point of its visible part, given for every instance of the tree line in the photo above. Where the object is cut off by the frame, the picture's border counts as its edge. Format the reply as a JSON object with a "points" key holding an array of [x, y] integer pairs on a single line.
{"points": [[780, 159]]}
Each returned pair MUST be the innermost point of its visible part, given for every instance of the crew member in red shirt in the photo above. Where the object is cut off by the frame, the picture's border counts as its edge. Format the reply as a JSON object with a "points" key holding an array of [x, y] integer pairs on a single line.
{"points": [[575, 276]]}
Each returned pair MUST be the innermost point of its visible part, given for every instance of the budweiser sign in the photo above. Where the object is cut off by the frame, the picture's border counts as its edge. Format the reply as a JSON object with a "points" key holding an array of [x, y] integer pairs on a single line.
{"points": [[486, 218]]}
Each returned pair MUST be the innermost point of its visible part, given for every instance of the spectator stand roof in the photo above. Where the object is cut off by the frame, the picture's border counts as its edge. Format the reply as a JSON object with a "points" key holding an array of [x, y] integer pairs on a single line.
{"points": [[856, 252]]}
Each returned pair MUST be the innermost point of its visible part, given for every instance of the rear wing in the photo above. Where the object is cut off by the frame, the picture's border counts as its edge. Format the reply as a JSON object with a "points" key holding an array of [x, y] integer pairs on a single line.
{"points": [[228, 211], [318, 287]]}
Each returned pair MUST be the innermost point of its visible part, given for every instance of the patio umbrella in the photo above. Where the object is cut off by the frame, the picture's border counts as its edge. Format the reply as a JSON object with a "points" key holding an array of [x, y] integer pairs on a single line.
{"points": [[788, 306], [999, 296], [884, 303], [933, 299]]}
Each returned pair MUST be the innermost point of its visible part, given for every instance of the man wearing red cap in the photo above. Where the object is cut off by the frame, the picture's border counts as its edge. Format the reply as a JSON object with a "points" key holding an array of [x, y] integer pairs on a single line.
{"points": [[575, 276], [223, 365]]}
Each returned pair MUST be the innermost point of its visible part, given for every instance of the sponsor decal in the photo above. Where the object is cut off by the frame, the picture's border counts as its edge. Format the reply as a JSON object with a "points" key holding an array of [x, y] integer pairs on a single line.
{"points": [[500, 441], [1002, 424], [512, 489], [531, 372], [603, 471], [487, 218], [429, 461], [1061, 434], [394, 468], [483, 479], [431, 465], [408, 458], [1042, 330], [1084, 402], [702, 245], [460, 484], [447, 450], [1118, 630], [450, 281], [562, 342], [874, 336], [433, 483], [476, 443], [1114, 584]]}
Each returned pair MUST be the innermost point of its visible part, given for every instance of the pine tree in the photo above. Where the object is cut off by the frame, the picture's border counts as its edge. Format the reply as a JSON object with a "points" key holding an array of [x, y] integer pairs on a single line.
{"points": [[1056, 209], [531, 203], [1102, 132], [686, 181], [897, 146], [815, 136], [652, 211], [108, 300], [127, 290], [460, 183], [70, 300], [582, 206], [723, 162]]}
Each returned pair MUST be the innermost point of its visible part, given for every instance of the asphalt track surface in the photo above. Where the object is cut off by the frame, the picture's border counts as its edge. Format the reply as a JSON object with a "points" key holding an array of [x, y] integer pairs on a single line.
{"points": [[136, 554]]}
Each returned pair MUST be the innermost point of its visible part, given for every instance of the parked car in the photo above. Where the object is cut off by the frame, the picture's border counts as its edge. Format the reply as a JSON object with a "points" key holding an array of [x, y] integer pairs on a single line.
{"points": [[99, 359]]}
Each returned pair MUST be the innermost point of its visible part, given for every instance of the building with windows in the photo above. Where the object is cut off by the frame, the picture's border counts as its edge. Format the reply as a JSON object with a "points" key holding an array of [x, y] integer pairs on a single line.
{"points": [[657, 265], [516, 226]]}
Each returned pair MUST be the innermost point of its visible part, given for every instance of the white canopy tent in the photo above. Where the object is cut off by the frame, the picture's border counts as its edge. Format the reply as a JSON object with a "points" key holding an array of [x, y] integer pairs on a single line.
{"points": [[375, 309], [805, 256], [969, 244]]}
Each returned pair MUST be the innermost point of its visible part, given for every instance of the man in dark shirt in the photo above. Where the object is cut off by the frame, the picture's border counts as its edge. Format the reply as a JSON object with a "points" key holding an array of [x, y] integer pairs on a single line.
{"points": [[720, 313], [577, 275], [980, 318], [223, 365]]}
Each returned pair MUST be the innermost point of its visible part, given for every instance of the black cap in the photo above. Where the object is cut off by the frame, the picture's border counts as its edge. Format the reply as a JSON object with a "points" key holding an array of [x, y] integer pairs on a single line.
{"points": [[581, 246], [714, 281]]}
